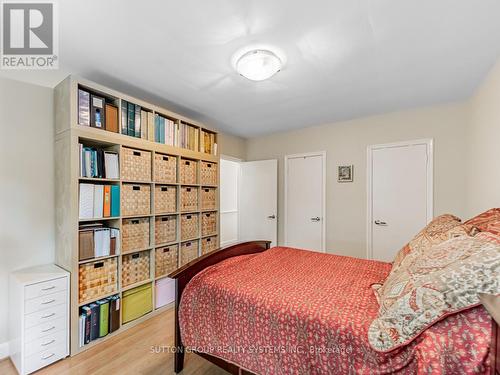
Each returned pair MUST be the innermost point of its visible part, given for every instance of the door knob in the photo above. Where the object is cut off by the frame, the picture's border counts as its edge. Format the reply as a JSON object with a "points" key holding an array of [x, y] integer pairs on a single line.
{"points": [[382, 223], [272, 216], [315, 218]]}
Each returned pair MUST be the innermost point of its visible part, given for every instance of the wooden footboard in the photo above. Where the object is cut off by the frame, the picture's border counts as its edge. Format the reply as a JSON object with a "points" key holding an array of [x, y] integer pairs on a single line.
{"points": [[183, 275]]}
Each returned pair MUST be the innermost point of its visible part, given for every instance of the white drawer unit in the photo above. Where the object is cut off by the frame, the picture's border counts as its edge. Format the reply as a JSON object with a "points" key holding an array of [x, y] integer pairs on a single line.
{"points": [[38, 317]]}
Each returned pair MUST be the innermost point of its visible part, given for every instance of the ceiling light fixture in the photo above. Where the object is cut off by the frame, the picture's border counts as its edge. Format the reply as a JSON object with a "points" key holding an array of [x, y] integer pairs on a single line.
{"points": [[258, 64]]}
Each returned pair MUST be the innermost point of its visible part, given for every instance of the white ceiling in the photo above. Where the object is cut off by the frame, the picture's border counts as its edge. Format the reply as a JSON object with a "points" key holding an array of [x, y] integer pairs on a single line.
{"points": [[344, 58]]}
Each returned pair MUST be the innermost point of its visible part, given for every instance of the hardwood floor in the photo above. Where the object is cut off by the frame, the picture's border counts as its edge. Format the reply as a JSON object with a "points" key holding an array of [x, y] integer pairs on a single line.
{"points": [[137, 351]]}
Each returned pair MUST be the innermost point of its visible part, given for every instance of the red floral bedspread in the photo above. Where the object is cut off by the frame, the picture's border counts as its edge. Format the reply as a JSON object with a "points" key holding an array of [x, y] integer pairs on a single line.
{"points": [[288, 311]]}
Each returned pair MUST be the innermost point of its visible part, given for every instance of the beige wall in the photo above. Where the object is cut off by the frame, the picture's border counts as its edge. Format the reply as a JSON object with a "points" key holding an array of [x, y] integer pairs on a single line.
{"points": [[483, 141], [346, 143], [230, 145], [26, 183]]}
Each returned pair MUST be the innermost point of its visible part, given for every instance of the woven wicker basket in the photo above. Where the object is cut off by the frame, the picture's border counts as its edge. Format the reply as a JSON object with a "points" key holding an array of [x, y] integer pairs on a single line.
{"points": [[135, 234], [136, 165], [189, 252], [189, 198], [166, 260], [208, 244], [190, 224], [135, 268], [188, 171], [136, 199], [165, 169], [165, 229], [165, 199], [208, 173], [208, 198], [208, 223], [97, 279]]}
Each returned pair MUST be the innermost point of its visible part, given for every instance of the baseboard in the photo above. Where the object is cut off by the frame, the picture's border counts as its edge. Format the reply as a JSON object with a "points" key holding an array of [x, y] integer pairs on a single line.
{"points": [[4, 350]]}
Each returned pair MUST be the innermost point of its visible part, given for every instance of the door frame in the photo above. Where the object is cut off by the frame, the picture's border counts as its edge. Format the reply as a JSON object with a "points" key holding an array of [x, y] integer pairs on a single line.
{"points": [[429, 143], [236, 160], [322, 154]]}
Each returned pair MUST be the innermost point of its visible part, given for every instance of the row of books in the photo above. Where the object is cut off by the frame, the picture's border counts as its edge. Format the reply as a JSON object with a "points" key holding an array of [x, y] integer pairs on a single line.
{"points": [[98, 319], [188, 137], [208, 144], [166, 131], [136, 122], [94, 111], [97, 163], [99, 201], [95, 240]]}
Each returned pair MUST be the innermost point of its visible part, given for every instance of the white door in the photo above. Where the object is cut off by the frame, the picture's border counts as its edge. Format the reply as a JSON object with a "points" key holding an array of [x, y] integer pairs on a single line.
{"points": [[258, 200], [304, 201], [229, 181], [400, 195]]}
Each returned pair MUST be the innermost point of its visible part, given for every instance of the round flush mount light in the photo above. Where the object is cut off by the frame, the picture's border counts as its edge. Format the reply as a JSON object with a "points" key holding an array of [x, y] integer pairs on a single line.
{"points": [[258, 64]]}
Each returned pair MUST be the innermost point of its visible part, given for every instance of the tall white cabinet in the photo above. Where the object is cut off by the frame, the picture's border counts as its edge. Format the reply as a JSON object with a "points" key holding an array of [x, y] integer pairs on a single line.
{"points": [[38, 317]]}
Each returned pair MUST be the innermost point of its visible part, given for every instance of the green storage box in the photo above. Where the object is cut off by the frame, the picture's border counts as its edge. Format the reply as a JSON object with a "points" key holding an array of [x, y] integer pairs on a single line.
{"points": [[137, 302]]}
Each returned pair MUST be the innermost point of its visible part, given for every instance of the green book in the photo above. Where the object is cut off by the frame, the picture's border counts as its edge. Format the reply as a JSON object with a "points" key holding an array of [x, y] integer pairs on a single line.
{"points": [[103, 317], [131, 120]]}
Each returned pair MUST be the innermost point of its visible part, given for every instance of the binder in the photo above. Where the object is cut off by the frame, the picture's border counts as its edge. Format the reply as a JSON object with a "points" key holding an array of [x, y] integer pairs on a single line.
{"points": [[137, 128], [98, 201], [86, 244], [86, 201], [111, 118], [88, 321], [94, 321], [101, 242], [114, 243], [124, 117], [83, 107], [115, 200], [111, 164], [107, 201], [97, 112], [103, 317], [131, 119], [100, 172], [81, 330], [114, 313]]}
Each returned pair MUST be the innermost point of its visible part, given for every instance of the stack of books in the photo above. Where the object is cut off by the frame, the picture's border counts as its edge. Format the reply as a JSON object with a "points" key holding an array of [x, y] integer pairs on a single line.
{"points": [[99, 319], [136, 122], [208, 144], [95, 240], [188, 137], [99, 201], [166, 131], [97, 163]]}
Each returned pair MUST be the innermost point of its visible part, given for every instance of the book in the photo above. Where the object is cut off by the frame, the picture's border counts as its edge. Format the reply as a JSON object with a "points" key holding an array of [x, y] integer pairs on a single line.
{"points": [[144, 124], [111, 165], [83, 107], [103, 317], [97, 119], [114, 242], [107, 201], [114, 313], [81, 330], [131, 119], [124, 117], [88, 321], [86, 201], [115, 200], [94, 321], [111, 116], [85, 244], [151, 126], [98, 201], [137, 127]]}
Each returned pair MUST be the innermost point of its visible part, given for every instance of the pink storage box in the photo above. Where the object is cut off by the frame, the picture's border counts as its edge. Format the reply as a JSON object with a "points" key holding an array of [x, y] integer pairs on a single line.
{"points": [[165, 292]]}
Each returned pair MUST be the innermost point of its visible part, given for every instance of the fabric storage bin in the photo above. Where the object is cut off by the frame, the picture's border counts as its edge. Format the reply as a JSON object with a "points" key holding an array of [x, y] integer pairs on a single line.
{"points": [[166, 260], [208, 244], [208, 173], [135, 165], [135, 268], [137, 302], [165, 199], [135, 234], [165, 229], [188, 172], [189, 252], [97, 279], [208, 223], [165, 169], [136, 199], [208, 199], [189, 198], [189, 226], [164, 292]]}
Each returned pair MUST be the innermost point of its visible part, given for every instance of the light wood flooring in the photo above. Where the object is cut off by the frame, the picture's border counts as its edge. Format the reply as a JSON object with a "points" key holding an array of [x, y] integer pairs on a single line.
{"points": [[129, 353]]}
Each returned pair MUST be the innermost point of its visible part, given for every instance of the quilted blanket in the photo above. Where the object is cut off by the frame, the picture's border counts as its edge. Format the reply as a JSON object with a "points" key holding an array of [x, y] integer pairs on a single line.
{"points": [[289, 311]]}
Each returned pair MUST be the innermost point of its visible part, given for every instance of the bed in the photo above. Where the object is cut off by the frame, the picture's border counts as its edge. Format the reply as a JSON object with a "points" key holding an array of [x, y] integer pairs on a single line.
{"points": [[251, 309]]}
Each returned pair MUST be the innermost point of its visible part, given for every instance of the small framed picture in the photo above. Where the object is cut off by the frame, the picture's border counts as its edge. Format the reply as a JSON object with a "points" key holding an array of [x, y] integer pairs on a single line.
{"points": [[345, 173]]}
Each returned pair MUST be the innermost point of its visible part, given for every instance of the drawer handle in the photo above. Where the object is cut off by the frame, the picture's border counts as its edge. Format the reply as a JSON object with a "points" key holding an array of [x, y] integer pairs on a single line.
{"points": [[188, 163], [136, 188], [164, 188], [209, 165], [166, 250], [165, 158], [48, 316], [47, 357], [99, 265], [48, 329], [136, 255], [135, 221], [207, 190], [188, 217], [137, 153], [209, 239], [164, 219], [50, 342], [188, 189], [49, 302], [49, 288]]}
